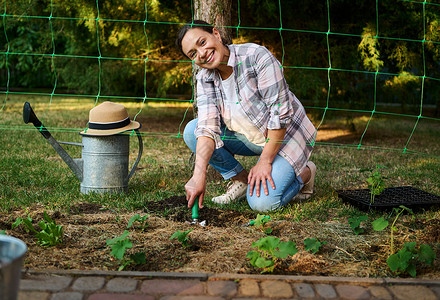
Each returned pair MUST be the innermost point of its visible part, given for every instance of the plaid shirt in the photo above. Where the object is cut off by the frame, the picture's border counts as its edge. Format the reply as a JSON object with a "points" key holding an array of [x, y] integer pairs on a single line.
{"points": [[265, 97]]}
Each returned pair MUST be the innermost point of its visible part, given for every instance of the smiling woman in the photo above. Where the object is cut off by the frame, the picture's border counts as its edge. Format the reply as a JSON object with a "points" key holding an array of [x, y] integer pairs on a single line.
{"points": [[245, 107], [207, 50]]}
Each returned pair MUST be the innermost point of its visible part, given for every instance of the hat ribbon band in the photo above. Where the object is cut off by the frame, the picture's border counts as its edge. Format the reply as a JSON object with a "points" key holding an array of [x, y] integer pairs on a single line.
{"points": [[107, 126]]}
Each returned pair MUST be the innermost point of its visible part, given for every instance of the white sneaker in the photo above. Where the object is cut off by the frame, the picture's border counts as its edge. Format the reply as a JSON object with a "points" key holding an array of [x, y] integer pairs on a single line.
{"points": [[307, 190], [236, 191]]}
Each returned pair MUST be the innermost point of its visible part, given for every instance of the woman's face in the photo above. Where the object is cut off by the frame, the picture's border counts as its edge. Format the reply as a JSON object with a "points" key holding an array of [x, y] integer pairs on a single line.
{"points": [[205, 49]]}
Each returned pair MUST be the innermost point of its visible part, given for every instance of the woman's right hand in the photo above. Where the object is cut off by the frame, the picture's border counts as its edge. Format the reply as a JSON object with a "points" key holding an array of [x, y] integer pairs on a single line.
{"points": [[194, 188]]}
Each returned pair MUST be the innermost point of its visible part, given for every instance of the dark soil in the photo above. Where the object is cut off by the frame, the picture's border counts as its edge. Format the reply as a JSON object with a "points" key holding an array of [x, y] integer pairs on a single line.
{"points": [[176, 209]]}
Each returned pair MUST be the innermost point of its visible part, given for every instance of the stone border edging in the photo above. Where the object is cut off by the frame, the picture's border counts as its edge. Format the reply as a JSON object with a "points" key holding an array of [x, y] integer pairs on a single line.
{"points": [[227, 276]]}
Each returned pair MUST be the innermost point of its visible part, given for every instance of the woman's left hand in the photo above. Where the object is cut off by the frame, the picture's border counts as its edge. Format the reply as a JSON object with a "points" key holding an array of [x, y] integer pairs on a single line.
{"points": [[261, 173]]}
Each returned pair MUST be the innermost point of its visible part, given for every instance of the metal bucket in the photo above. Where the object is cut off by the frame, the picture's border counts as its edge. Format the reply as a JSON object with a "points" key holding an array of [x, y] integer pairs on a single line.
{"points": [[12, 251]]}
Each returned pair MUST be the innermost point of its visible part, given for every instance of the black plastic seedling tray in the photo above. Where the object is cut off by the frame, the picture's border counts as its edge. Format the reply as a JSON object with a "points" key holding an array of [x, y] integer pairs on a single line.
{"points": [[392, 197]]}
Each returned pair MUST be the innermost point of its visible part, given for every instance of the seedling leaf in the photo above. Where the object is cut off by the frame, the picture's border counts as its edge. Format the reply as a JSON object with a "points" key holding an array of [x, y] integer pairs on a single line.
{"points": [[117, 239], [119, 248], [313, 245], [380, 224], [138, 258], [262, 263], [285, 249], [426, 254], [355, 223]]}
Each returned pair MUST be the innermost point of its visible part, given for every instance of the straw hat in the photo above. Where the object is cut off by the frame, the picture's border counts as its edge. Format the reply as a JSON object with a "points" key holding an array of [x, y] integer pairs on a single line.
{"points": [[109, 118]]}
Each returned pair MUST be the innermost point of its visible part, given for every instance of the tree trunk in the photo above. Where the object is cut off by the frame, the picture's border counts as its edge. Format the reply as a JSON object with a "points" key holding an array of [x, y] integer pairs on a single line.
{"points": [[217, 13]]}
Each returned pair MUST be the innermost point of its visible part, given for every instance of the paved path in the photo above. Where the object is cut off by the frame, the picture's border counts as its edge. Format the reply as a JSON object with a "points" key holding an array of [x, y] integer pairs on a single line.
{"points": [[100, 285]]}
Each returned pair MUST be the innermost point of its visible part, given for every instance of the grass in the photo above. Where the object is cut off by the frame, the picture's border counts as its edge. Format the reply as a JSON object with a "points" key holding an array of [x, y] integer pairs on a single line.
{"points": [[32, 172]]}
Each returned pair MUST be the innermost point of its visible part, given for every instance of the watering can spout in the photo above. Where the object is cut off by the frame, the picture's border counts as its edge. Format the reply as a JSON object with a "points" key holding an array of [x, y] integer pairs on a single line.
{"points": [[75, 165]]}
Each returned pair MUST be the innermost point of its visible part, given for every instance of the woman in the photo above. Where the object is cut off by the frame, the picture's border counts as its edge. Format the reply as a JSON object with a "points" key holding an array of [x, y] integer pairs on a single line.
{"points": [[245, 107]]}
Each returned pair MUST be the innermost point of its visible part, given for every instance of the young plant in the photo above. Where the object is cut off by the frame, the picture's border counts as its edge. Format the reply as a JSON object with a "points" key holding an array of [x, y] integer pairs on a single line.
{"points": [[141, 220], [26, 221], [398, 212], [405, 259], [355, 224], [50, 234], [119, 246], [269, 250], [313, 245], [261, 221], [380, 224], [182, 237], [376, 182]]}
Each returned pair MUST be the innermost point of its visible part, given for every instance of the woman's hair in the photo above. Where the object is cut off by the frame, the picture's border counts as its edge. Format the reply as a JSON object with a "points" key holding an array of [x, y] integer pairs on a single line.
{"points": [[194, 24]]}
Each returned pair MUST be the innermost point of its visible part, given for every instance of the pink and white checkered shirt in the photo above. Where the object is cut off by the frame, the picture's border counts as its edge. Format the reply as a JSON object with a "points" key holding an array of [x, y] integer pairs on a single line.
{"points": [[264, 95]]}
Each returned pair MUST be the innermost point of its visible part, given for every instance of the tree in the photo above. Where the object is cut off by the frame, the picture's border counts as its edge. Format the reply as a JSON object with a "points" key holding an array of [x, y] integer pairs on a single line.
{"points": [[217, 13]]}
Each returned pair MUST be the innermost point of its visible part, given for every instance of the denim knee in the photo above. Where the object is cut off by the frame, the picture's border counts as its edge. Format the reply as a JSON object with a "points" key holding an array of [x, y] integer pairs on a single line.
{"points": [[188, 135], [263, 203]]}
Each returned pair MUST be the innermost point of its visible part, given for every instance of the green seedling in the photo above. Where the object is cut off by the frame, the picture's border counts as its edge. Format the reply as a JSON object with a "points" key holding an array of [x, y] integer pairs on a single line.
{"points": [[355, 224], [119, 246], [380, 224], [269, 250], [398, 212], [182, 237], [26, 221], [376, 182], [50, 234], [261, 221], [405, 259], [313, 245], [141, 220]]}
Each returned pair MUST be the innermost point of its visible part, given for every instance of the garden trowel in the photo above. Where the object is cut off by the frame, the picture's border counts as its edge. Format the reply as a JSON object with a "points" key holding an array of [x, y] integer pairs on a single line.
{"points": [[195, 213]]}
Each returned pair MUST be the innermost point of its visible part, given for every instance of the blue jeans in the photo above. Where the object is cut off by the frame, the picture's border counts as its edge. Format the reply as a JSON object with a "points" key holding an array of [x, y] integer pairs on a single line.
{"points": [[287, 183]]}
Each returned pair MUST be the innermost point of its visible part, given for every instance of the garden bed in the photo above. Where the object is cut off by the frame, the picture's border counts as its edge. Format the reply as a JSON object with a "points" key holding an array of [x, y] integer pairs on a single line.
{"points": [[219, 247]]}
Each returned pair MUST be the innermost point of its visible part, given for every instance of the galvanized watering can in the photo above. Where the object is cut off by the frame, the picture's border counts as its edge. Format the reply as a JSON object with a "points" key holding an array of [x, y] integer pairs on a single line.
{"points": [[105, 151]]}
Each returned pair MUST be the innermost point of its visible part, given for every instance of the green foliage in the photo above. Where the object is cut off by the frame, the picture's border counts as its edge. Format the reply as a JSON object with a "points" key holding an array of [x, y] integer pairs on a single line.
{"points": [[380, 224], [182, 237], [405, 259], [27, 222], [97, 56], [269, 250], [313, 245], [50, 234], [398, 212], [3, 232], [355, 223], [376, 182], [369, 49], [261, 221], [141, 220], [119, 246]]}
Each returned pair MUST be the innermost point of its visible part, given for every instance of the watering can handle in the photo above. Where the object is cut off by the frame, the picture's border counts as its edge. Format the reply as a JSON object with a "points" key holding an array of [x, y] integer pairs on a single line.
{"points": [[141, 149]]}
